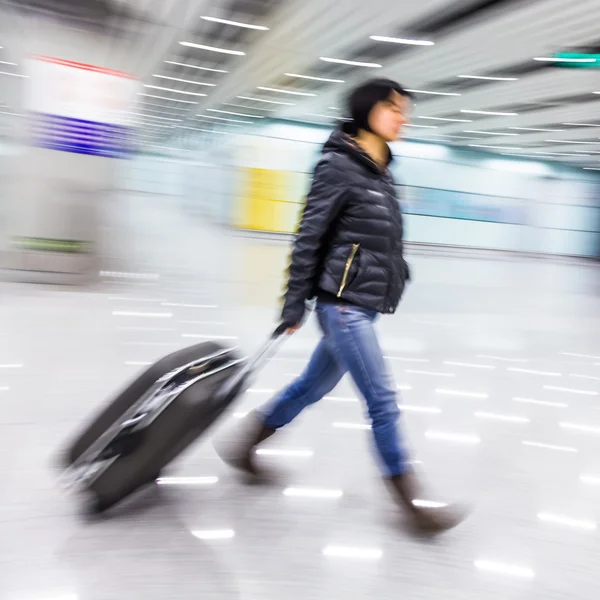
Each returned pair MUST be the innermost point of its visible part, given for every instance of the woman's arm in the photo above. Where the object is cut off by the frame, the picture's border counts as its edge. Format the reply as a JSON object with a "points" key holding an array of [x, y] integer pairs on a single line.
{"points": [[325, 201]]}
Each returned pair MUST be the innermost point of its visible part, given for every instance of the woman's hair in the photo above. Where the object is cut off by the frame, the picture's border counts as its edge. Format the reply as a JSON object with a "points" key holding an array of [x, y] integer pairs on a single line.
{"points": [[362, 100]]}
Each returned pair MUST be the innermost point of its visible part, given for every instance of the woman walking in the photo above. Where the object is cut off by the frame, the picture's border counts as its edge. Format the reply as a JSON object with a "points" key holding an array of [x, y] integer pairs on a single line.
{"points": [[348, 253]]}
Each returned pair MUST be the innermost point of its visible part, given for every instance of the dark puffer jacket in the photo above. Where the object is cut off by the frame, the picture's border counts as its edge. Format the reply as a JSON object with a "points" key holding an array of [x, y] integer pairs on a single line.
{"points": [[349, 244]]}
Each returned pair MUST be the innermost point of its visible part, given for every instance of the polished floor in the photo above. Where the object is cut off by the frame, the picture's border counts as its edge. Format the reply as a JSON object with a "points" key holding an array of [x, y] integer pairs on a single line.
{"points": [[497, 360]]}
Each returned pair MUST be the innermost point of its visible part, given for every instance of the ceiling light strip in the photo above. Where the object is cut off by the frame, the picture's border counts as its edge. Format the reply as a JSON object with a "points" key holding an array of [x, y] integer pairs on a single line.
{"points": [[281, 91], [236, 23], [405, 41], [166, 98], [353, 63], [213, 48], [433, 93], [184, 80], [325, 79], [180, 64], [267, 101]]}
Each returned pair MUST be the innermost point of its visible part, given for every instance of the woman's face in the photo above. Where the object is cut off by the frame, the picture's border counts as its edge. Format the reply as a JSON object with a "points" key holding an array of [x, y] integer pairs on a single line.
{"points": [[389, 116]]}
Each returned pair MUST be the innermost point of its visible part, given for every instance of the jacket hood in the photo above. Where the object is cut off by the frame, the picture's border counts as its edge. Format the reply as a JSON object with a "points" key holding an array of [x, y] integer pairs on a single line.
{"points": [[341, 140]]}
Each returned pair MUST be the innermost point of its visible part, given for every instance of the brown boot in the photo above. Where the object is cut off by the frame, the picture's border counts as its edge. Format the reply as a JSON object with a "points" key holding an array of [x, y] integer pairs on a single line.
{"points": [[241, 453], [406, 489]]}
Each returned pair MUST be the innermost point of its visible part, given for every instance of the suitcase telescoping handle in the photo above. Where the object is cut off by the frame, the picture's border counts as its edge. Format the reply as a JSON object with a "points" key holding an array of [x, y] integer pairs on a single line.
{"points": [[237, 383]]}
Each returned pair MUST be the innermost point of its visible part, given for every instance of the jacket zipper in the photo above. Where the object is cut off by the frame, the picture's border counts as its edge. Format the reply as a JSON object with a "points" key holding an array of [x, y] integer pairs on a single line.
{"points": [[355, 248]]}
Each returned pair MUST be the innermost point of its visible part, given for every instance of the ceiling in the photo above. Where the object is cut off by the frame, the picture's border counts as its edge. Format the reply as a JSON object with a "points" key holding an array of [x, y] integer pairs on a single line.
{"points": [[489, 38]]}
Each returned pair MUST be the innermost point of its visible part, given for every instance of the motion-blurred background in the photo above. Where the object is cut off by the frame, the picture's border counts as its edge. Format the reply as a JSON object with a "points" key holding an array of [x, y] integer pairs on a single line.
{"points": [[154, 160]]}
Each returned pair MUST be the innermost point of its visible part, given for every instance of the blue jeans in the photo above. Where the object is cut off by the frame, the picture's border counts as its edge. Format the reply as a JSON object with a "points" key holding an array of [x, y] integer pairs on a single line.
{"points": [[349, 344]]}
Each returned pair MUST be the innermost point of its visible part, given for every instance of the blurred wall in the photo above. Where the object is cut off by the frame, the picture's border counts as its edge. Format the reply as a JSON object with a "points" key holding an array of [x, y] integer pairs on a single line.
{"points": [[449, 196]]}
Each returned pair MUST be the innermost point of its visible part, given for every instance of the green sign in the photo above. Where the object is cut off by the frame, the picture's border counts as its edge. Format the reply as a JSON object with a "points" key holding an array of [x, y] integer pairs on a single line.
{"points": [[52, 245], [577, 60]]}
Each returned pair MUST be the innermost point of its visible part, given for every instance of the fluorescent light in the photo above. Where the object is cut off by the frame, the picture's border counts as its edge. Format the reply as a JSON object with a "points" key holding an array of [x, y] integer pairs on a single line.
{"points": [[237, 114], [166, 98], [502, 358], [163, 106], [569, 60], [326, 79], [187, 480], [488, 132], [563, 389], [582, 428], [422, 126], [501, 417], [585, 377], [12, 64], [153, 117], [214, 534], [12, 366], [458, 137], [452, 437], [488, 112], [349, 552], [205, 130], [341, 425], [577, 155], [212, 48], [183, 80], [267, 101], [407, 359], [445, 119], [302, 492], [468, 365], [495, 147], [571, 142], [353, 63], [280, 91], [568, 521], [236, 23], [428, 504], [504, 569], [172, 62], [224, 119], [590, 480], [486, 78], [12, 114], [583, 124], [433, 93], [148, 124], [534, 372], [433, 410], [322, 116], [550, 446], [333, 108], [250, 107], [447, 392], [535, 129], [13, 74], [591, 168], [394, 40], [286, 453], [164, 89], [432, 373], [541, 402]]}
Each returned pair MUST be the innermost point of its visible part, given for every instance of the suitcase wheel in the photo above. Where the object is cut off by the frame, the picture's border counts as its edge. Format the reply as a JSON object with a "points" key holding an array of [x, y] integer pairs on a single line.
{"points": [[95, 506]]}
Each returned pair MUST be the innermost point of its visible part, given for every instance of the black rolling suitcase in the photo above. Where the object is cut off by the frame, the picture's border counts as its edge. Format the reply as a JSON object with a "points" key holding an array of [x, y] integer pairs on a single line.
{"points": [[155, 419]]}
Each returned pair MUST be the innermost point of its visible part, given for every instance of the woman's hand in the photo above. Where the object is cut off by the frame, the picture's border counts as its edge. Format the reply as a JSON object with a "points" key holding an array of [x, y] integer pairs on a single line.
{"points": [[287, 328]]}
